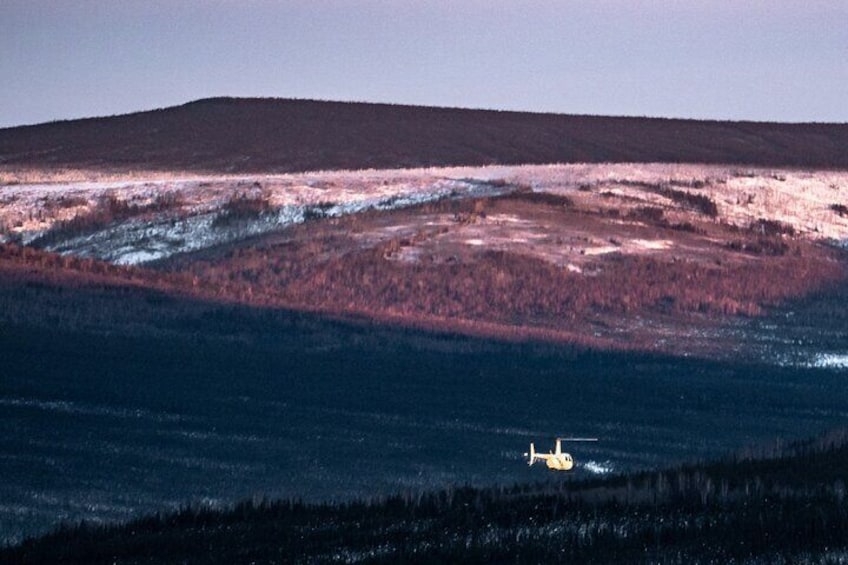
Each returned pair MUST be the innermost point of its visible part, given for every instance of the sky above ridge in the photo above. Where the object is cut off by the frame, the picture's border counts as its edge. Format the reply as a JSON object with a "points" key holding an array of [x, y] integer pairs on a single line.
{"points": [[778, 60]]}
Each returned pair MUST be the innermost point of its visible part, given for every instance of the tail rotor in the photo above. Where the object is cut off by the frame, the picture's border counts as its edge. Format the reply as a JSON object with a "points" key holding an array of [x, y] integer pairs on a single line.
{"points": [[531, 455]]}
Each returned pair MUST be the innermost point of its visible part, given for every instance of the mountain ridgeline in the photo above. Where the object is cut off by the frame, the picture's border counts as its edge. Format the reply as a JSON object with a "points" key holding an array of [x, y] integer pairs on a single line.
{"points": [[282, 135]]}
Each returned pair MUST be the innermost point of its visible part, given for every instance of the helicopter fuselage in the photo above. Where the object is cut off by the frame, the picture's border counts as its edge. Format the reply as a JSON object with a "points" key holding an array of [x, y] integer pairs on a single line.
{"points": [[556, 460], [560, 462]]}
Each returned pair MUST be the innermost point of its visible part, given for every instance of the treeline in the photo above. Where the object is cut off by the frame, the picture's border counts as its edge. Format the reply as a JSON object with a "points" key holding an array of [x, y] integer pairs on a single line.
{"points": [[514, 288], [69, 293], [329, 269], [107, 210], [787, 505], [25, 264], [692, 201]]}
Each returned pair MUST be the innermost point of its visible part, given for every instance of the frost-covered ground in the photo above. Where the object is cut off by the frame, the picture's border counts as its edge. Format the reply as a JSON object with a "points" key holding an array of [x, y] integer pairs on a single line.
{"points": [[831, 360], [192, 219], [809, 201]]}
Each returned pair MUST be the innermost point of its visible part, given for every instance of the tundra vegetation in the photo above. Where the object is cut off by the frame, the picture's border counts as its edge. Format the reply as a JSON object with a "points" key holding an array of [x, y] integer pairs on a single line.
{"points": [[567, 253]]}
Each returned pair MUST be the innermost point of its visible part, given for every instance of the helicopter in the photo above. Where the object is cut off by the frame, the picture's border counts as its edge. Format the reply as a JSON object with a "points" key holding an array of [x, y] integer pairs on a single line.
{"points": [[556, 460]]}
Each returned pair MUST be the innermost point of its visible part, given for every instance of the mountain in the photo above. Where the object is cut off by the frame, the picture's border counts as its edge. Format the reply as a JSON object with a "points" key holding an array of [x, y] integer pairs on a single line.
{"points": [[171, 333], [280, 135]]}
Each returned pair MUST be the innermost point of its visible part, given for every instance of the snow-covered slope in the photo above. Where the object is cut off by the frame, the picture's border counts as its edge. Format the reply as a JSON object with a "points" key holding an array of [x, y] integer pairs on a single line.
{"points": [[135, 220], [201, 213]]}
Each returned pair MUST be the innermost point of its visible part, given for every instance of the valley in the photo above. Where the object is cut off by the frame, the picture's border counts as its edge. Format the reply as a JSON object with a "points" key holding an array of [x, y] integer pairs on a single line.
{"points": [[420, 326], [334, 306]]}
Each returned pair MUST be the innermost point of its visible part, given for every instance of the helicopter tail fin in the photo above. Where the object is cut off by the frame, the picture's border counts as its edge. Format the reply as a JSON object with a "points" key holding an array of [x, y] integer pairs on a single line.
{"points": [[532, 454]]}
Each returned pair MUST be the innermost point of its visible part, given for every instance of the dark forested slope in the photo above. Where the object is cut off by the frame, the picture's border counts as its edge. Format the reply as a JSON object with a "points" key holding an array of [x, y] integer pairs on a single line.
{"points": [[275, 135], [780, 507]]}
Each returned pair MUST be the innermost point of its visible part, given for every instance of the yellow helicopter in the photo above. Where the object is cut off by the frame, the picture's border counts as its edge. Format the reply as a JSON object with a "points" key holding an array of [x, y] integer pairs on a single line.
{"points": [[556, 460]]}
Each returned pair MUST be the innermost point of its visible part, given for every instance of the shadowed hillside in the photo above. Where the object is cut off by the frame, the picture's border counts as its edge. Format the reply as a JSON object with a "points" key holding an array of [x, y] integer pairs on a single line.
{"points": [[277, 135], [124, 395], [787, 506]]}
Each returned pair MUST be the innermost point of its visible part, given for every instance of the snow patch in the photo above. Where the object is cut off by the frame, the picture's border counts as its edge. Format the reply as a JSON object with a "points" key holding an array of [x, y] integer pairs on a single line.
{"points": [[801, 199], [652, 244], [602, 250], [597, 468], [829, 361], [138, 241]]}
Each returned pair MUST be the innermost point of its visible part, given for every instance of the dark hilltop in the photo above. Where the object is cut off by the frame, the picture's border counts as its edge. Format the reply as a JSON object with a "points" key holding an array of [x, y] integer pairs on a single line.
{"points": [[280, 135]]}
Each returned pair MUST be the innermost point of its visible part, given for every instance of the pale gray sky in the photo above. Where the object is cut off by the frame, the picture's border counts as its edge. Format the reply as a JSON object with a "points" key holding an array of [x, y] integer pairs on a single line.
{"points": [[782, 60]]}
